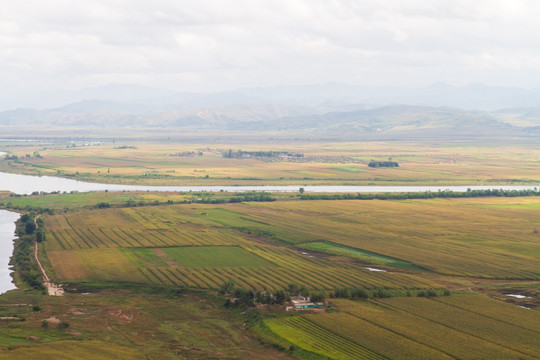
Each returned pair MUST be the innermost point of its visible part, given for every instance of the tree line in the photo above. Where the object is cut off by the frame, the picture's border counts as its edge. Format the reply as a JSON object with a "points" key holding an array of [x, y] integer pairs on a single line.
{"points": [[376, 164], [25, 263], [423, 195], [239, 154]]}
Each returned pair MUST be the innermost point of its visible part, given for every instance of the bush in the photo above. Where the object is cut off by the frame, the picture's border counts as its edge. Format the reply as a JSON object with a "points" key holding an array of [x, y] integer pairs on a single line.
{"points": [[447, 292]]}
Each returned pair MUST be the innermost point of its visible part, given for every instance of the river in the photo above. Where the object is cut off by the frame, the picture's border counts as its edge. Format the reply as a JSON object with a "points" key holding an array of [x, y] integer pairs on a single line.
{"points": [[27, 184], [7, 234]]}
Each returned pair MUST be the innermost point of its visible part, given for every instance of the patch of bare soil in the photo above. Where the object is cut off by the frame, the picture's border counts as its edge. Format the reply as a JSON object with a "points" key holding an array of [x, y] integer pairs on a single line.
{"points": [[53, 320], [76, 311], [159, 252]]}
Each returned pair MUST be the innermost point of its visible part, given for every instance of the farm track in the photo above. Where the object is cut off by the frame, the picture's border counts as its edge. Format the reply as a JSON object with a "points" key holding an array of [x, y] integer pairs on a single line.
{"points": [[52, 289]]}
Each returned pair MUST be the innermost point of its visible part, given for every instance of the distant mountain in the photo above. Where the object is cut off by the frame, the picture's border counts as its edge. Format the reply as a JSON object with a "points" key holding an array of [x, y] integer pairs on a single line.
{"points": [[320, 97], [370, 123], [332, 109], [388, 118], [113, 114], [470, 97]]}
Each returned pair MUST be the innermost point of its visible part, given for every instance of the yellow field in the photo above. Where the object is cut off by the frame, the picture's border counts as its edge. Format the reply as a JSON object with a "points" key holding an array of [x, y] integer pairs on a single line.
{"points": [[418, 328], [323, 163], [489, 237], [136, 245]]}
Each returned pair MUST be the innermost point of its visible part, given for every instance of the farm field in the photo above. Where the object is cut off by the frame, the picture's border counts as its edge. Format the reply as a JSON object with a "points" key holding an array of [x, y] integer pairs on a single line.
{"points": [[489, 238], [179, 255], [464, 237], [170, 162], [407, 328], [182, 245]]}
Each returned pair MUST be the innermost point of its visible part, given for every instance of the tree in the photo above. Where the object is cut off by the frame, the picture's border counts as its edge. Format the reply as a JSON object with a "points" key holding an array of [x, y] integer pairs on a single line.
{"points": [[359, 293], [301, 190], [280, 297], [294, 288], [40, 235], [29, 228], [318, 297], [304, 291]]}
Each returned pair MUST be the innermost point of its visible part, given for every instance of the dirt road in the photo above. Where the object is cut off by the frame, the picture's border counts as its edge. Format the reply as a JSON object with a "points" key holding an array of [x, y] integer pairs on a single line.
{"points": [[53, 289]]}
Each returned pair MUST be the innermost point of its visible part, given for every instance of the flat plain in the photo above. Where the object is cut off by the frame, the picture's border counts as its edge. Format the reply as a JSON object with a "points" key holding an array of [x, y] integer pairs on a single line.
{"points": [[181, 162], [142, 271]]}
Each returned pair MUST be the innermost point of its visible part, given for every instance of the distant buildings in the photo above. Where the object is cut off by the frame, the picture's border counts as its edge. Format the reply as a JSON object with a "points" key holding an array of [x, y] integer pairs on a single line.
{"points": [[302, 303]]}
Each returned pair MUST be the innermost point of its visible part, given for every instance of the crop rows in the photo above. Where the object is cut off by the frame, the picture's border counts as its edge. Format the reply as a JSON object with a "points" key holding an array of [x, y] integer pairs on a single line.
{"points": [[168, 227], [379, 339], [474, 324], [428, 323], [100, 237], [451, 239], [311, 337]]}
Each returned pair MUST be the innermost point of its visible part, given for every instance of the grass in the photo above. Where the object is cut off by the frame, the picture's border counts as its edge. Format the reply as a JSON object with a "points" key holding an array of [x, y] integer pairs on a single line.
{"points": [[121, 324], [363, 255]]}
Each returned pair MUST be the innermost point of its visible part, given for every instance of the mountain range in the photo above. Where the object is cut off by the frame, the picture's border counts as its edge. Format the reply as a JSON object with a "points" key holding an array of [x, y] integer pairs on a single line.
{"points": [[329, 108]]}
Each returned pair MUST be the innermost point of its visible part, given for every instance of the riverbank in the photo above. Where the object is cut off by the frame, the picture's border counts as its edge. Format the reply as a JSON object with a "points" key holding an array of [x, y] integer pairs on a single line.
{"points": [[7, 235]]}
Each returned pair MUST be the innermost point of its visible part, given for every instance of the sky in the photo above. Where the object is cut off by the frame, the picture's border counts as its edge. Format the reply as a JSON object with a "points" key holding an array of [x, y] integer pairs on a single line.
{"points": [[216, 45]]}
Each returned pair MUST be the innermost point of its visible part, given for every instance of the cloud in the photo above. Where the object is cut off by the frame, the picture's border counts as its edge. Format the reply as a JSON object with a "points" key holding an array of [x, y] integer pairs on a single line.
{"points": [[210, 45]]}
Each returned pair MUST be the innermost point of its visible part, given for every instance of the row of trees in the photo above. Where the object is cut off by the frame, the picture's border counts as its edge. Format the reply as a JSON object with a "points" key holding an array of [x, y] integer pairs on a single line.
{"points": [[239, 154], [251, 297], [24, 260], [376, 164], [423, 195], [380, 292]]}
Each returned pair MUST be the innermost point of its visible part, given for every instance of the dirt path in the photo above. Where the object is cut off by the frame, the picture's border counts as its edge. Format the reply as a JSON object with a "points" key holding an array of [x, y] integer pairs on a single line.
{"points": [[52, 289]]}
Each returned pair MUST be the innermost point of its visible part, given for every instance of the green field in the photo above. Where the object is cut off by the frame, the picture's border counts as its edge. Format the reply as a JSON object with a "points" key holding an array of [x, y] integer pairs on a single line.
{"points": [[363, 255], [307, 335]]}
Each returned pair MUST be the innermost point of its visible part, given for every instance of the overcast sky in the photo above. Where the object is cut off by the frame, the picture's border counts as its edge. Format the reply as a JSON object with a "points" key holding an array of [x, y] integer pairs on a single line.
{"points": [[213, 45]]}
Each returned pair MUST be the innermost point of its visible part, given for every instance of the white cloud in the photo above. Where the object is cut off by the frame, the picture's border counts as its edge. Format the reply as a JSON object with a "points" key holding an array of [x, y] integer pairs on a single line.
{"points": [[209, 45]]}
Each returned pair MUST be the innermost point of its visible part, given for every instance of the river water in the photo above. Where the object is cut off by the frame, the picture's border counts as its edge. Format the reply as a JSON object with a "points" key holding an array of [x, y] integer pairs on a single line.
{"points": [[26, 184], [7, 234]]}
